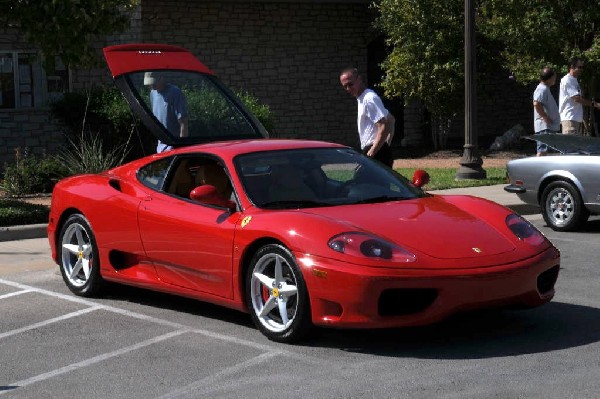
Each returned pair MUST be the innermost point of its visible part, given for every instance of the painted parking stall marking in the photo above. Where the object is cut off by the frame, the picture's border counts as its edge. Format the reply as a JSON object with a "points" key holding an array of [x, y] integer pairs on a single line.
{"points": [[267, 351]]}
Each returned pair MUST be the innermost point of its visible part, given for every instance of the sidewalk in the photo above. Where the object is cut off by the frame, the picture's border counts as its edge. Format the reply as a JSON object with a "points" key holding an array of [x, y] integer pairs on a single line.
{"points": [[493, 193]]}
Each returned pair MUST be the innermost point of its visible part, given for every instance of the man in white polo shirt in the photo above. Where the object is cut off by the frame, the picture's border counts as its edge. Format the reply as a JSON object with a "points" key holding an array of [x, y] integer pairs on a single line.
{"points": [[570, 102], [375, 122]]}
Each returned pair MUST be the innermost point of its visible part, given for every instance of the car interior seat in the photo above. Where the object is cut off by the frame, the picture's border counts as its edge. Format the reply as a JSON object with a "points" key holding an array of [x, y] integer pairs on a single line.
{"points": [[213, 174], [182, 181], [288, 184]]}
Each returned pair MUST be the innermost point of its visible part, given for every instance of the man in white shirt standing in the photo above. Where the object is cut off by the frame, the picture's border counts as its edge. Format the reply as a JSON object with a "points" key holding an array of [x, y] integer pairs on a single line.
{"points": [[546, 118], [375, 122], [570, 102]]}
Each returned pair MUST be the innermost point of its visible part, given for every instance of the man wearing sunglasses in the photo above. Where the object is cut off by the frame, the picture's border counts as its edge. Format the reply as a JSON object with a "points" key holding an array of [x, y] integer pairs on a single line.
{"points": [[570, 102], [375, 122]]}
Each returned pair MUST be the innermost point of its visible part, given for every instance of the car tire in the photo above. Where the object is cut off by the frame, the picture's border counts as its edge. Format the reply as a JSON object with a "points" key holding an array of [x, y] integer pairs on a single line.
{"points": [[276, 295], [79, 260], [562, 207]]}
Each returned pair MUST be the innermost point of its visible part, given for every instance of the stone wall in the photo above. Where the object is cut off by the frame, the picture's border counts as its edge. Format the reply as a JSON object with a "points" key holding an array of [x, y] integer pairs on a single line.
{"points": [[34, 128], [22, 128], [287, 54]]}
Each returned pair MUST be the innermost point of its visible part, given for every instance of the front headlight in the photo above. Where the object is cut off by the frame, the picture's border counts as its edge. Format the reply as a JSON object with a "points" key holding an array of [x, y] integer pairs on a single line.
{"points": [[524, 230], [366, 245]]}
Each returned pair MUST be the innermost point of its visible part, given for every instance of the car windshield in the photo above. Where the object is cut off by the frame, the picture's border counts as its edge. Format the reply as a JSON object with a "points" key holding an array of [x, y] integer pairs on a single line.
{"points": [[307, 178], [210, 112]]}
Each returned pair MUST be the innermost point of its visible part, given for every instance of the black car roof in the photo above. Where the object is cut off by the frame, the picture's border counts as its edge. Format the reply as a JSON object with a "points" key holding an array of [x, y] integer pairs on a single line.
{"points": [[569, 144]]}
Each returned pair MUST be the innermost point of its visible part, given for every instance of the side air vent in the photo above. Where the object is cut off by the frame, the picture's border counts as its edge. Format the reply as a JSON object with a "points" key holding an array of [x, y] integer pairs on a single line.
{"points": [[115, 184]]}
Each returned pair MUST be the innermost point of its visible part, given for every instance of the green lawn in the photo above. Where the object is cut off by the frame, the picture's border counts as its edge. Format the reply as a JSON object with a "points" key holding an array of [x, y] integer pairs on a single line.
{"points": [[445, 178]]}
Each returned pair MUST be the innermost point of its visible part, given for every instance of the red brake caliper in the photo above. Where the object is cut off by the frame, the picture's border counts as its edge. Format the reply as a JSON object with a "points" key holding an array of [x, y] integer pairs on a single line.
{"points": [[265, 293]]}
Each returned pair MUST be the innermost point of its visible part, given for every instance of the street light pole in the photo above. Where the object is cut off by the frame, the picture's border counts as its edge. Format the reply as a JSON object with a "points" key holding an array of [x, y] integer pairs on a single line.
{"points": [[470, 163]]}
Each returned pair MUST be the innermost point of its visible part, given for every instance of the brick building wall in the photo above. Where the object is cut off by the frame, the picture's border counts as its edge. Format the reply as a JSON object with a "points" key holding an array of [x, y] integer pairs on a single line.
{"points": [[286, 53], [25, 127]]}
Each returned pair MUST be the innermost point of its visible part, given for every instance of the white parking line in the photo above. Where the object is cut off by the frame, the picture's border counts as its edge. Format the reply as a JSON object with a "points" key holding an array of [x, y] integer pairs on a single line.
{"points": [[14, 294], [206, 384], [270, 351], [49, 321], [140, 316], [90, 361]]}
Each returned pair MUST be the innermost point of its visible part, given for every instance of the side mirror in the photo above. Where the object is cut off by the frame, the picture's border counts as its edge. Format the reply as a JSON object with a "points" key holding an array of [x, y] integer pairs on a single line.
{"points": [[420, 178], [209, 195]]}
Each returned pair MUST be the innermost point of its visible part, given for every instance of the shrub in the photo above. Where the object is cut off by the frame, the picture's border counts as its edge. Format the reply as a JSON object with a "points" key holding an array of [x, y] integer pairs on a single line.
{"points": [[31, 174], [105, 111], [100, 112], [261, 111], [87, 155], [13, 212]]}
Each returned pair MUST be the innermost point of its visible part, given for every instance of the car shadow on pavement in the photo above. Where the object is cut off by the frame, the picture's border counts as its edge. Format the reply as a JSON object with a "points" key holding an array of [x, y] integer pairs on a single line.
{"points": [[159, 300], [525, 209], [476, 335]]}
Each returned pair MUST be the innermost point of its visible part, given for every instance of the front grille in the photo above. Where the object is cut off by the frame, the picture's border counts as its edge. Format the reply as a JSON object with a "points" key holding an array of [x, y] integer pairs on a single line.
{"points": [[546, 280], [405, 301]]}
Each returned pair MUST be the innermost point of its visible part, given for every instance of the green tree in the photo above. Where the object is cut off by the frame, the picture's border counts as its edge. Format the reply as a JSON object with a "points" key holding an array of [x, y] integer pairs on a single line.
{"points": [[426, 58], [427, 38], [538, 33], [66, 28]]}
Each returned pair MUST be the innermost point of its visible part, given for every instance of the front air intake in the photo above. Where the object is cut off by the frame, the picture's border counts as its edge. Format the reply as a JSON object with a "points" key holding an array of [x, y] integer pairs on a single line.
{"points": [[405, 301]]}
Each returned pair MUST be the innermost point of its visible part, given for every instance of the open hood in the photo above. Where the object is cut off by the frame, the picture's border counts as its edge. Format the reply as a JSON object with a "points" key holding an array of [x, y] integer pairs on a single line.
{"points": [[569, 144], [177, 97]]}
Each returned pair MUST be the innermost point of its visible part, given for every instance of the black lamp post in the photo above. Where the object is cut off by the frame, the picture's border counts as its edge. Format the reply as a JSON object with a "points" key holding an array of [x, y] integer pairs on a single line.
{"points": [[470, 163]]}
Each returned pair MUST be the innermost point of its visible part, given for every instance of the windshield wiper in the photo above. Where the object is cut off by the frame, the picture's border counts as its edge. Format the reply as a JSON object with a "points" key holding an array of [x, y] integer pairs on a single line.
{"points": [[288, 204]]}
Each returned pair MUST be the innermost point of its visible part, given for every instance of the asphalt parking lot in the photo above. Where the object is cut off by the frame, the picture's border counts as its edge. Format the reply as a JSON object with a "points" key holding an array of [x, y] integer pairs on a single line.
{"points": [[138, 344]]}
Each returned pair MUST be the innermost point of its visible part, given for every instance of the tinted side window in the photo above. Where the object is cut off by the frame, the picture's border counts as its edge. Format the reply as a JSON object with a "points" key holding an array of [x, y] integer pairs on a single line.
{"points": [[153, 175]]}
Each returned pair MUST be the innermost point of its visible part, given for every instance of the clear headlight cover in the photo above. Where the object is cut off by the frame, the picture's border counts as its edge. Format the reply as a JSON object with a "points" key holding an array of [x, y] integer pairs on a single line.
{"points": [[361, 245], [524, 230]]}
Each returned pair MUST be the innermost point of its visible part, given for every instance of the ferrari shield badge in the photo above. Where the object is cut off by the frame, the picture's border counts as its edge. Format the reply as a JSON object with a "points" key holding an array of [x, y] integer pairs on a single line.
{"points": [[246, 220]]}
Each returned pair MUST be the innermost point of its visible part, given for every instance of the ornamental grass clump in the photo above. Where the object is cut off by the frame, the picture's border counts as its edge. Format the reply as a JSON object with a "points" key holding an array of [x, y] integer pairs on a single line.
{"points": [[88, 155]]}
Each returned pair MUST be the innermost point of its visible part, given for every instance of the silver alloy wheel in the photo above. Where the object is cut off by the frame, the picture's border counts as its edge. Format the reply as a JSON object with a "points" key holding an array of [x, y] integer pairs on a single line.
{"points": [[560, 206], [274, 292], [77, 254]]}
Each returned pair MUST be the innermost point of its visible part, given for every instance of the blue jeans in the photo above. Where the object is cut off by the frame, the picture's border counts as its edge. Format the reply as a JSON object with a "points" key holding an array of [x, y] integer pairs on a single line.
{"points": [[541, 147]]}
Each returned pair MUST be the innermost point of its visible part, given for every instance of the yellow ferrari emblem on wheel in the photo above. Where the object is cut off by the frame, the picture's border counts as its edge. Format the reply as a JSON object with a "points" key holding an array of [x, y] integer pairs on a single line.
{"points": [[275, 292]]}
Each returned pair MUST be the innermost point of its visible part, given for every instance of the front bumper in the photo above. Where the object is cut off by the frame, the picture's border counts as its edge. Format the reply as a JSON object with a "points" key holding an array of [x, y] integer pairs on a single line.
{"points": [[513, 188], [345, 295]]}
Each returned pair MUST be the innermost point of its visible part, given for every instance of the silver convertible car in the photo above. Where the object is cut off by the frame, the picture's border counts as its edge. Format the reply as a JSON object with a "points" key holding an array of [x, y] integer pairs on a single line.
{"points": [[566, 185]]}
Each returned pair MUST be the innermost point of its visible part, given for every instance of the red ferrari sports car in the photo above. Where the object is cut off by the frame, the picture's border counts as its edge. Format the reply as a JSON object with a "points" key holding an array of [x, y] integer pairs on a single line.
{"points": [[298, 233]]}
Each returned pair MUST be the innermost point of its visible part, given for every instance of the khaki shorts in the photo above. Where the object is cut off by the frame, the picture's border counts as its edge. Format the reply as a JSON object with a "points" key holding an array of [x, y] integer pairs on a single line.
{"points": [[571, 127]]}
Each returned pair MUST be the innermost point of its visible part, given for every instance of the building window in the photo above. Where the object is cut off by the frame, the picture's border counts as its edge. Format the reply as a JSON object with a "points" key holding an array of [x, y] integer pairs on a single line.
{"points": [[25, 84]]}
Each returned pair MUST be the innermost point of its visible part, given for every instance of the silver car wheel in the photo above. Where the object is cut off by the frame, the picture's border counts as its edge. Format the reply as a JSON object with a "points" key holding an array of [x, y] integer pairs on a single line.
{"points": [[77, 255], [560, 206], [274, 292]]}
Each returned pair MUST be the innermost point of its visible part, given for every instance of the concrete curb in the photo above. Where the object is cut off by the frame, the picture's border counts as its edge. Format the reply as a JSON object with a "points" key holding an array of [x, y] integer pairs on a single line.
{"points": [[12, 233]]}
